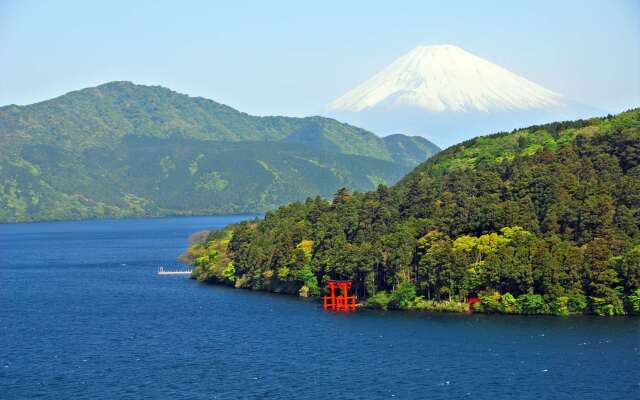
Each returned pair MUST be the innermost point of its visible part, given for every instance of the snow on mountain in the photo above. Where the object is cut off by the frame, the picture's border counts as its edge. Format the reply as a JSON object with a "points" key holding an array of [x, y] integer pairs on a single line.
{"points": [[447, 94], [446, 78]]}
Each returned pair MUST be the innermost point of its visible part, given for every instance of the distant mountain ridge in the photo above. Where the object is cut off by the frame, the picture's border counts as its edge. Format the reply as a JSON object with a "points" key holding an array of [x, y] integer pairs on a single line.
{"points": [[106, 113], [448, 94], [409, 150], [122, 149]]}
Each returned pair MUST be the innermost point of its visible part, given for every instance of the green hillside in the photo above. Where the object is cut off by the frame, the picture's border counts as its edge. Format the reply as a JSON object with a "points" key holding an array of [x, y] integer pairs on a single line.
{"points": [[409, 150], [122, 149], [103, 115], [543, 220], [150, 176]]}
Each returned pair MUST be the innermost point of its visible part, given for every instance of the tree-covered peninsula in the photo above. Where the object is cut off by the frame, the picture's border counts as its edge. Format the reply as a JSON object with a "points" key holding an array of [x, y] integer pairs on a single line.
{"points": [[542, 220]]}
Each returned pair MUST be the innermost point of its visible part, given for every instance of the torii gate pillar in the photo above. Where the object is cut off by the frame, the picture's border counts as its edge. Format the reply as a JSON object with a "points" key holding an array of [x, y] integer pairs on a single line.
{"points": [[341, 301]]}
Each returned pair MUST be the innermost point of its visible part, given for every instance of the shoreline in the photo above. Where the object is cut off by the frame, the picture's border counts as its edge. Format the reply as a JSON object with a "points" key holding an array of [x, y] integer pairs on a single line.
{"points": [[435, 307], [252, 215]]}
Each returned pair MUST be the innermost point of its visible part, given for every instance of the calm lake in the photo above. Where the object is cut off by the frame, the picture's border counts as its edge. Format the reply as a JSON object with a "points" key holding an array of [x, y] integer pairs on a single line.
{"points": [[84, 315]]}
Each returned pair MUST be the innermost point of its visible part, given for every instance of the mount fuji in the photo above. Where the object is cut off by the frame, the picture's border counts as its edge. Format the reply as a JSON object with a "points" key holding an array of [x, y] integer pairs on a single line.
{"points": [[447, 95]]}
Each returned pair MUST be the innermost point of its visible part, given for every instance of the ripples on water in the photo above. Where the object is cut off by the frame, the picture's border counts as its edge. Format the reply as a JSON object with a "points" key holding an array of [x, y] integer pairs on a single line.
{"points": [[83, 315]]}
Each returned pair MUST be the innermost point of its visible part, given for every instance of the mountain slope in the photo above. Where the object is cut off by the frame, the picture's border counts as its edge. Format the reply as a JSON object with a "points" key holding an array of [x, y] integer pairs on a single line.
{"points": [[130, 150], [153, 177], [543, 220], [103, 115], [409, 150], [447, 94]]}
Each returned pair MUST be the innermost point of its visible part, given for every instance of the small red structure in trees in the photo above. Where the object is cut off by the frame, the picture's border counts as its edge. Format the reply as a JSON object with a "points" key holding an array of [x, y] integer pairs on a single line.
{"points": [[340, 301], [471, 302]]}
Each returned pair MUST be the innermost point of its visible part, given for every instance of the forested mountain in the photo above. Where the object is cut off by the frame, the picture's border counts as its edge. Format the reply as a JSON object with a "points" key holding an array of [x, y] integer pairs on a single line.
{"points": [[122, 149], [409, 150], [543, 220]]}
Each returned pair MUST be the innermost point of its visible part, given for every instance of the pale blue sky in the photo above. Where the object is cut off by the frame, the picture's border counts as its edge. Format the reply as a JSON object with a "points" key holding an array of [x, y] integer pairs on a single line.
{"points": [[292, 58]]}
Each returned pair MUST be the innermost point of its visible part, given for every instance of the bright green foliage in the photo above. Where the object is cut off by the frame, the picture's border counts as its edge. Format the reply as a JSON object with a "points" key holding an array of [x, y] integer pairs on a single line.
{"points": [[634, 301], [421, 304], [607, 306], [229, 272], [403, 296], [577, 303], [508, 304], [531, 304], [551, 228], [120, 150], [309, 281], [560, 306], [305, 273], [379, 301], [211, 259], [490, 302], [284, 273], [307, 247]]}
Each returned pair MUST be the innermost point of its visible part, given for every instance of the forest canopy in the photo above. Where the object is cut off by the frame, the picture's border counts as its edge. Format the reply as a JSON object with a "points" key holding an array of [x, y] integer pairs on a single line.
{"points": [[542, 220]]}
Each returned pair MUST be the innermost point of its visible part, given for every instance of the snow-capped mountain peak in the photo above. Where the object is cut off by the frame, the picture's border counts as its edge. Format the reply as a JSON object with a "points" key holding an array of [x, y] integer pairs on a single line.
{"points": [[446, 78]]}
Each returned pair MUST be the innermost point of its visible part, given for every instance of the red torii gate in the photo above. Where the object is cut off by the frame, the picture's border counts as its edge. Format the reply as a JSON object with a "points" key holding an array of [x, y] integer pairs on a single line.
{"points": [[342, 301]]}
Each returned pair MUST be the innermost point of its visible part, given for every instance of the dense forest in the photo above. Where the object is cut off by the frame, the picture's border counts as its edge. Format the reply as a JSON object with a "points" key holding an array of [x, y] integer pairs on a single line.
{"points": [[122, 149], [542, 220]]}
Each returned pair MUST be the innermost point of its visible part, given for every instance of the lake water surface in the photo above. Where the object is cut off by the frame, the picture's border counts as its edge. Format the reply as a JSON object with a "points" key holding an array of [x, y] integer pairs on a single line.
{"points": [[84, 315]]}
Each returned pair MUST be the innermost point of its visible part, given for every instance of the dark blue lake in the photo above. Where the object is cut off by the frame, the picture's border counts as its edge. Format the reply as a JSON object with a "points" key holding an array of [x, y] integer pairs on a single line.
{"points": [[84, 315]]}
